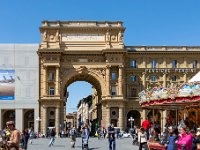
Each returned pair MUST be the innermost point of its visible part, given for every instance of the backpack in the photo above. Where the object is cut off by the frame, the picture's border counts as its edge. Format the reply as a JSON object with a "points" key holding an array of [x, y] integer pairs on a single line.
{"points": [[72, 132]]}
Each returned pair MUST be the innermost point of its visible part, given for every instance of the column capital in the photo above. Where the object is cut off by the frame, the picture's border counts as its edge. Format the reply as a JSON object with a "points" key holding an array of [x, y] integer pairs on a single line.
{"points": [[108, 66], [121, 66]]}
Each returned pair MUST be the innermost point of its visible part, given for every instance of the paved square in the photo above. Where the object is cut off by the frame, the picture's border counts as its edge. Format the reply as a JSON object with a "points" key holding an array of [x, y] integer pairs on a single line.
{"points": [[94, 144]]}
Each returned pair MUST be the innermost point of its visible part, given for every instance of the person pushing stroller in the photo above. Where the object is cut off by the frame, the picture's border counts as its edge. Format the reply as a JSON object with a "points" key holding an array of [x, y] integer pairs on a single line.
{"points": [[85, 136]]}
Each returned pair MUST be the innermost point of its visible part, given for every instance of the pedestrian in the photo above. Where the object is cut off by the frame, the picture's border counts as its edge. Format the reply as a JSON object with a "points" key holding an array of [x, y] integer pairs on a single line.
{"points": [[73, 134], [142, 139], [31, 135], [85, 136], [23, 141], [99, 133], [111, 137], [173, 136], [14, 139], [104, 132], [146, 125], [52, 137]]}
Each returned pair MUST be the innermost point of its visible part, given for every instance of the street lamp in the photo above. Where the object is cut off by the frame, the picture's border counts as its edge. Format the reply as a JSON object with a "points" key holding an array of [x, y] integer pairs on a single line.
{"points": [[131, 120], [38, 120]]}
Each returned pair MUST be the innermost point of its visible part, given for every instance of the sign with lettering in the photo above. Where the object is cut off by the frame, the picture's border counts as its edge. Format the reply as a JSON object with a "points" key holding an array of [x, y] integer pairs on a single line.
{"points": [[82, 37], [181, 70]]}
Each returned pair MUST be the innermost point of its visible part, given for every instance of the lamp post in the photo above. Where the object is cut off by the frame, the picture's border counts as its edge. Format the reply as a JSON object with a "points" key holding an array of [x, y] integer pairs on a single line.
{"points": [[131, 120], [38, 120]]}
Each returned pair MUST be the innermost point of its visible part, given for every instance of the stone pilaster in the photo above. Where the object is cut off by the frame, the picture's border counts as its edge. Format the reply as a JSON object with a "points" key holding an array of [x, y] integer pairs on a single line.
{"points": [[120, 81], [108, 80], [44, 80], [57, 120], [44, 120], [19, 119], [57, 82], [121, 118]]}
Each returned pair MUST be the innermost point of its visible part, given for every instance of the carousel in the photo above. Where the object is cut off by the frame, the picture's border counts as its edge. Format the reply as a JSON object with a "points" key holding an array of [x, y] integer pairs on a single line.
{"points": [[180, 101]]}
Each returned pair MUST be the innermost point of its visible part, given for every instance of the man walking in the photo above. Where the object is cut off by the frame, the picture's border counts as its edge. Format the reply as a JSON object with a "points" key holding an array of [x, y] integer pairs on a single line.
{"points": [[72, 133], [146, 125], [52, 137], [111, 137]]}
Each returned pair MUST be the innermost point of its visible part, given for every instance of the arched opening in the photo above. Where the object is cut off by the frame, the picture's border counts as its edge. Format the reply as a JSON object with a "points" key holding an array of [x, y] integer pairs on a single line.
{"points": [[8, 115], [136, 116], [88, 108], [29, 119]]}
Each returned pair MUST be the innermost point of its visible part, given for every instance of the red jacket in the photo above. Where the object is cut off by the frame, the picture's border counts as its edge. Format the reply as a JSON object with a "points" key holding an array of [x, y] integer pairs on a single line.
{"points": [[146, 124]]}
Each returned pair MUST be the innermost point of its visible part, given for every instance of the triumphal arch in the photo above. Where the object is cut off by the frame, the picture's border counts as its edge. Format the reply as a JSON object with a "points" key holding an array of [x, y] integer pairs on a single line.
{"points": [[94, 52]]}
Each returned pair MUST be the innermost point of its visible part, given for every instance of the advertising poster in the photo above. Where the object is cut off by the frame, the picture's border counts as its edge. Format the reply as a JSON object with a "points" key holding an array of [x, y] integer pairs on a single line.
{"points": [[7, 84]]}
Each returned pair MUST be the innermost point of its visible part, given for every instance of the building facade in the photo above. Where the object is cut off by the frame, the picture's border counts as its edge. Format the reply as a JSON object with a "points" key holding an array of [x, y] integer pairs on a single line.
{"points": [[71, 120], [95, 52], [19, 85]]}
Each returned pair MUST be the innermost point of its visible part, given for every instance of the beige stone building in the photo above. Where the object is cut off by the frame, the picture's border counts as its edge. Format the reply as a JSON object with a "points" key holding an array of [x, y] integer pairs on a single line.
{"points": [[71, 120], [95, 52]]}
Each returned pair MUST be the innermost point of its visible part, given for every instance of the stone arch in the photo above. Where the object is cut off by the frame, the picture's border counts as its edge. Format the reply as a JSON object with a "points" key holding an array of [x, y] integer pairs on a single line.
{"points": [[83, 74], [136, 116], [8, 115]]}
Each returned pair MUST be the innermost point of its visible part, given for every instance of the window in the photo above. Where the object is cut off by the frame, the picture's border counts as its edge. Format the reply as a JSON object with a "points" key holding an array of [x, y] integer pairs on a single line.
{"points": [[114, 76], [174, 78], [174, 64], [51, 91], [114, 92], [133, 64], [153, 63], [133, 78], [133, 92], [51, 76], [153, 78], [194, 64]]}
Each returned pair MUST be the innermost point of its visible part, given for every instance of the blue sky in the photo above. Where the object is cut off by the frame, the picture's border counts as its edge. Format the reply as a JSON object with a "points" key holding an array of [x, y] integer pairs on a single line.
{"points": [[147, 22]]}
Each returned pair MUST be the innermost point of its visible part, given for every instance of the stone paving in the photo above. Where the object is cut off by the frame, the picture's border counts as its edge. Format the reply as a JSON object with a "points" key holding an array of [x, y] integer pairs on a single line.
{"points": [[94, 144]]}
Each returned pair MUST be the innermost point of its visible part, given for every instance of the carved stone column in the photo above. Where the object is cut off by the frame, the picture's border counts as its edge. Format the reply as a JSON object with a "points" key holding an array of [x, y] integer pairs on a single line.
{"points": [[57, 120], [57, 81], [44, 80], [44, 120], [164, 80], [144, 80], [19, 119], [121, 118], [108, 80], [120, 81]]}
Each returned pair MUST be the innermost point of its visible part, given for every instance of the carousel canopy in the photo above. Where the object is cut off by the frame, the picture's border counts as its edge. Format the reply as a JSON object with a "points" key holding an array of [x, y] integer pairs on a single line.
{"points": [[196, 78], [175, 96]]}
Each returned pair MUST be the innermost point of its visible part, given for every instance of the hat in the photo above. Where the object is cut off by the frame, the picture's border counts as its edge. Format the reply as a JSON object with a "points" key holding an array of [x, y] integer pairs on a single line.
{"points": [[10, 123]]}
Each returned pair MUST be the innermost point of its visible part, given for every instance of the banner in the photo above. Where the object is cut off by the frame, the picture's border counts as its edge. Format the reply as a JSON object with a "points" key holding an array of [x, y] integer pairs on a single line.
{"points": [[7, 84]]}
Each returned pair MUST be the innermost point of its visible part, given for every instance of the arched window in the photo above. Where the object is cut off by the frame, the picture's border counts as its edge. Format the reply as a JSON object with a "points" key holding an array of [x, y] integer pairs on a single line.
{"points": [[153, 78], [174, 78], [113, 76]]}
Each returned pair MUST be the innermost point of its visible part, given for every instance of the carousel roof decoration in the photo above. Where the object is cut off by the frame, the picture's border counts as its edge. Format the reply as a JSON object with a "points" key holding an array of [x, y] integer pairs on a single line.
{"points": [[174, 95]]}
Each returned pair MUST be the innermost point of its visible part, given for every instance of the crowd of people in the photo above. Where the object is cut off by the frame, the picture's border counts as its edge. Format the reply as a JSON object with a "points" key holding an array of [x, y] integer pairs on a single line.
{"points": [[181, 137]]}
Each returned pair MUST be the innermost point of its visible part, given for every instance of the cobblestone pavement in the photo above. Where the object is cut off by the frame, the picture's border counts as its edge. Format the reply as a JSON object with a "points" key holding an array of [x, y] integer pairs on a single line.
{"points": [[94, 144]]}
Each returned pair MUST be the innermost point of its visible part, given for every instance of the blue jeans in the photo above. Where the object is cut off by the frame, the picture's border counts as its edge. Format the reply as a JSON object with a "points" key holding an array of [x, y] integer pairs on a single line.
{"points": [[112, 144], [52, 139]]}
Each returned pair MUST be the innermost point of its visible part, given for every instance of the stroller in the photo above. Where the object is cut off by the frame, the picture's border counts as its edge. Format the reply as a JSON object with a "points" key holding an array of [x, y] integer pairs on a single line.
{"points": [[135, 139], [85, 143]]}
